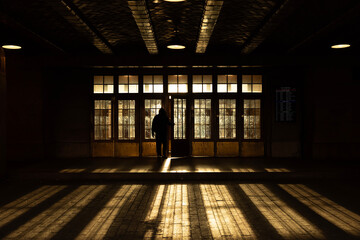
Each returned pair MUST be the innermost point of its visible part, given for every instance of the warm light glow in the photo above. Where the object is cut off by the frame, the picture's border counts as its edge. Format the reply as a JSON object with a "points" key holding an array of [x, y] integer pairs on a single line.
{"points": [[176, 46], [166, 165], [12, 47], [75, 201], [174, 0], [331, 211], [100, 224], [343, 45], [279, 214]]}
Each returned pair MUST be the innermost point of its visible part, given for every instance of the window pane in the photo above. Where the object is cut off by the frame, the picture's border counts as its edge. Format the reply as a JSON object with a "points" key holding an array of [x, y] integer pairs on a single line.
{"points": [[133, 89], [227, 118], [98, 88], [173, 88], [246, 88], [246, 78], [148, 88], [197, 78], [158, 79], [148, 79], [108, 88], [99, 80], [126, 117], [202, 118], [109, 80], [207, 78], [222, 88], [152, 107], [232, 87], [252, 83], [123, 88], [102, 120], [197, 88], [222, 79], [252, 121], [232, 79], [158, 88], [123, 79], [179, 118], [133, 79], [257, 88], [257, 78]]}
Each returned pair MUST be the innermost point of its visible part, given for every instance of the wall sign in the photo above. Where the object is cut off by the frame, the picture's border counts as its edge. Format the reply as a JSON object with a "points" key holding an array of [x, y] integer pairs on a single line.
{"points": [[286, 104]]}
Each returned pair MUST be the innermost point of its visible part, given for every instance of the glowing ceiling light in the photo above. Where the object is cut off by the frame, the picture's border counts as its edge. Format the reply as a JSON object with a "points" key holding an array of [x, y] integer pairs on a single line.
{"points": [[12, 47], [176, 46], [343, 45]]}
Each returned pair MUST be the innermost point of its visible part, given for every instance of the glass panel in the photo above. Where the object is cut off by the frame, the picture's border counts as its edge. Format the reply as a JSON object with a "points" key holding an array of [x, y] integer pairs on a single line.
{"points": [[252, 120], [148, 79], [179, 118], [183, 79], [102, 120], [158, 79], [207, 88], [148, 88], [246, 78], [257, 88], [172, 88], [232, 87], [246, 88], [183, 88], [222, 88], [98, 80], [232, 79], [207, 78], [202, 118], [109, 80], [123, 79], [152, 107], [133, 88], [227, 118], [123, 88], [257, 78], [133, 79], [222, 79], [172, 79], [197, 78], [126, 117], [98, 88], [158, 88], [197, 88], [108, 88]]}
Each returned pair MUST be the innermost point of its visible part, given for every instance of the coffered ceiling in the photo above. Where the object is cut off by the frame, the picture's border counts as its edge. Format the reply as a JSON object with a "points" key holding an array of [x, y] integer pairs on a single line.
{"points": [[205, 27]]}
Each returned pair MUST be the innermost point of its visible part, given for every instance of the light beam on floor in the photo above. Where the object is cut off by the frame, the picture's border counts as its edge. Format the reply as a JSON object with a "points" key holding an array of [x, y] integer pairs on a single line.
{"points": [[287, 221], [21, 205], [47, 223], [326, 208]]}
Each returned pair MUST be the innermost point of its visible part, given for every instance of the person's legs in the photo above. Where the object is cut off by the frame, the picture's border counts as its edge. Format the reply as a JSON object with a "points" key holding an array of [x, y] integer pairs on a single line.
{"points": [[165, 148], [158, 146]]}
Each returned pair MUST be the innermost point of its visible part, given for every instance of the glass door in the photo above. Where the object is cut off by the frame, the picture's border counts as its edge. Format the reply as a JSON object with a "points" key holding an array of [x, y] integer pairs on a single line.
{"points": [[180, 133]]}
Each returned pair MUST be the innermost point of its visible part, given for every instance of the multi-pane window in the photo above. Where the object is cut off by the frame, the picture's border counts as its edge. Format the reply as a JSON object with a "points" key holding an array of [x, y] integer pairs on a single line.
{"points": [[126, 119], [227, 118], [251, 83], [102, 120], [227, 83], [252, 125], [178, 84], [153, 84], [152, 107], [202, 118], [128, 84], [202, 83], [179, 118], [103, 84]]}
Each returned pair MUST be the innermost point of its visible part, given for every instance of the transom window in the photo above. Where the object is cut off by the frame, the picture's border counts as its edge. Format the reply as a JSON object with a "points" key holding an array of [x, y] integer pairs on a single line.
{"points": [[152, 107], [153, 84], [103, 84], [128, 84], [252, 123], [126, 119], [202, 118], [251, 83], [102, 120], [202, 83], [178, 83], [227, 118], [227, 84]]}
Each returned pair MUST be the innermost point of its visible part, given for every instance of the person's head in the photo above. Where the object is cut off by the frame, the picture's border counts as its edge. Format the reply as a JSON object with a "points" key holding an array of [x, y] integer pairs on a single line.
{"points": [[162, 111]]}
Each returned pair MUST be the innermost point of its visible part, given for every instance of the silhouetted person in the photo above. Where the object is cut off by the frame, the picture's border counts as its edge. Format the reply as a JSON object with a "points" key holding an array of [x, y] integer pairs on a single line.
{"points": [[160, 127]]}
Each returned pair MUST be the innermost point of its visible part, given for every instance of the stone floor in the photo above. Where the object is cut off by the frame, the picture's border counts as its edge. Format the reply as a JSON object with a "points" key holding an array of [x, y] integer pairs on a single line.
{"points": [[215, 209]]}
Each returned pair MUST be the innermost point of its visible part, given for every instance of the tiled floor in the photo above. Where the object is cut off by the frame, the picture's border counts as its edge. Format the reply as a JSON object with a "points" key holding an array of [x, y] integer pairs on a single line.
{"points": [[180, 211]]}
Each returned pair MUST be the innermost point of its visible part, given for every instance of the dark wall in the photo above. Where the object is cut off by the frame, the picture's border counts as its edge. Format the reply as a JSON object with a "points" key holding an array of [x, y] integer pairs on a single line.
{"points": [[2, 113], [285, 137], [67, 114], [24, 109], [332, 124]]}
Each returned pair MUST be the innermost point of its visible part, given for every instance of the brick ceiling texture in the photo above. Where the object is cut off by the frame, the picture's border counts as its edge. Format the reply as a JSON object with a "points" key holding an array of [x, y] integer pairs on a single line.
{"points": [[242, 27]]}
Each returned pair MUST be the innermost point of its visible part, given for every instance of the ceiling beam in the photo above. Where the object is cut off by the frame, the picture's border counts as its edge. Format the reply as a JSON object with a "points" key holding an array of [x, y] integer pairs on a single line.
{"points": [[142, 18], [209, 18], [281, 12], [73, 15]]}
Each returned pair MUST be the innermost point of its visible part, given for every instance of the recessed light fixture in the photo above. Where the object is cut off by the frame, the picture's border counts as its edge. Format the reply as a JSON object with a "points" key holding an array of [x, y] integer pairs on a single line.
{"points": [[343, 45], [12, 47], [176, 46]]}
